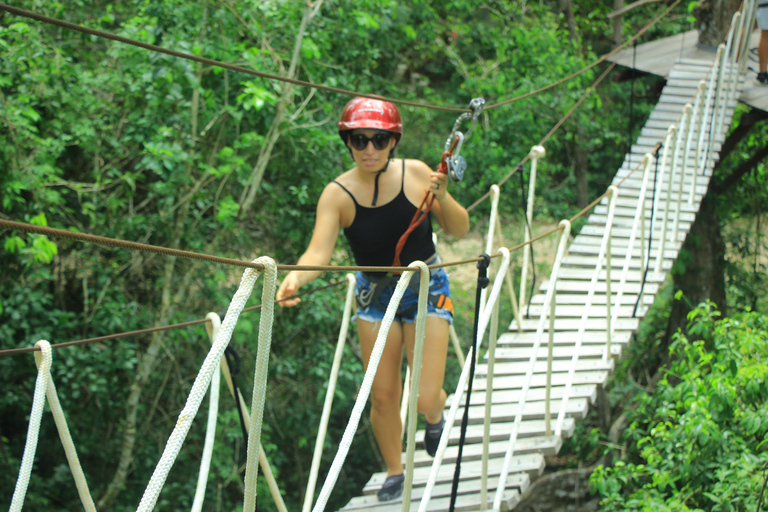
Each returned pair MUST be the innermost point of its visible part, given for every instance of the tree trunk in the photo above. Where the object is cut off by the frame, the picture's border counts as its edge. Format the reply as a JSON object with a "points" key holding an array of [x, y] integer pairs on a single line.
{"points": [[617, 23], [248, 196], [580, 168], [567, 7], [713, 18], [703, 255]]}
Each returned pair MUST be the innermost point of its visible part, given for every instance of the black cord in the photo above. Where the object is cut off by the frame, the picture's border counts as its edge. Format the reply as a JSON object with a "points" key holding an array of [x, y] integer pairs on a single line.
{"points": [[234, 363], [650, 234], [482, 282], [530, 231]]}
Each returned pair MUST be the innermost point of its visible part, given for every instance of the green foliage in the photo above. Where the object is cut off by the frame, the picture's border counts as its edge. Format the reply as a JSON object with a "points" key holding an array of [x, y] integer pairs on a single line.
{"points": [[698, 441], [105, 138]]}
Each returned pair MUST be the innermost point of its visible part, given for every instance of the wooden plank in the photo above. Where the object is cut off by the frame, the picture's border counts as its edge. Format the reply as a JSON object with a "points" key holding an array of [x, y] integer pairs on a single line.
{"points": [[591, 260], [578, 299], [540, 367], [618, 252], [595, 312], [570, 324], [574, 274], [535, 395], [598, 230], [620, 244], [630, 212], [598, 378], [562, 352], [530, 463], [468, 497], [545, 445], [526, 338], [502, 430], [574, 408]]}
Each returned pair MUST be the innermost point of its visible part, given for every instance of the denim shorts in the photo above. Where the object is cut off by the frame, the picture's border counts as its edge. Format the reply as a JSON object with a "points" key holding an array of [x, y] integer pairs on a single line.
{"points": [[762, 17], [406, 312]]}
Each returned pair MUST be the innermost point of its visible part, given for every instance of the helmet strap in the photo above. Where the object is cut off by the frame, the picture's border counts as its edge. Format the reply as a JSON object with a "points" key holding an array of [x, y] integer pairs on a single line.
{"points": [[376, 182]]}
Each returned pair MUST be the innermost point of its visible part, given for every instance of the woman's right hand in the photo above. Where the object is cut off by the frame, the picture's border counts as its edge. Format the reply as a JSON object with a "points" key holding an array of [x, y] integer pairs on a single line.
{"points": [[288, 288]]}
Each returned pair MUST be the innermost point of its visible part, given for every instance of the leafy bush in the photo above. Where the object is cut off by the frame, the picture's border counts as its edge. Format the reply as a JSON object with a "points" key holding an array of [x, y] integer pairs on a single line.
{"points": [[699, 440]]}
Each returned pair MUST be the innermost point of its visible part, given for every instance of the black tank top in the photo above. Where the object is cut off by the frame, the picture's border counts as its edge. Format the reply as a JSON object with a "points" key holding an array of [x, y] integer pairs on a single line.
{"points": [[374, 233]]}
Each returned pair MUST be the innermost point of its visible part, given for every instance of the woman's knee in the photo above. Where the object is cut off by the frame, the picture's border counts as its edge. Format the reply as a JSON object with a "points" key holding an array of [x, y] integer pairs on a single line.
{"points": [[428, 401], [385, 398]]}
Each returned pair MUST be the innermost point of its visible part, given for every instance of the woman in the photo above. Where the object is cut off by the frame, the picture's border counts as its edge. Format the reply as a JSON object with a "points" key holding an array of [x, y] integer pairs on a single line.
{"points": [[374, 203]]}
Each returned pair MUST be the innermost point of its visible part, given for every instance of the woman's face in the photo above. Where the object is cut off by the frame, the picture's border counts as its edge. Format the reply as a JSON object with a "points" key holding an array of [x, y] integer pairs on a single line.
{"points": [[370, 159]]}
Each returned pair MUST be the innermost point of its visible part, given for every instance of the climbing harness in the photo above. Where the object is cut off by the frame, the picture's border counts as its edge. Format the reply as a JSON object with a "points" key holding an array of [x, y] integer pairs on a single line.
{"points": [[380, 282], [451, 164], [482, 283]]}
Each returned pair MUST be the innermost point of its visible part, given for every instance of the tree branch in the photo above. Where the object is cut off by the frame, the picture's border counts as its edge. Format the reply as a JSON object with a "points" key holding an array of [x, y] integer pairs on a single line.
{"points": [[257, 174], [743, 169]]}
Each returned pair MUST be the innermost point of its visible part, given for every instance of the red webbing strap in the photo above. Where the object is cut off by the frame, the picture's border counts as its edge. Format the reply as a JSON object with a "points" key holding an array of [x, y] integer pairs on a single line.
{"points": [[420, 215]]}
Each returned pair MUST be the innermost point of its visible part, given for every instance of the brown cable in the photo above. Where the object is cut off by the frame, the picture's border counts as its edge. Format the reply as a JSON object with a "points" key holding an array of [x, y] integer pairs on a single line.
{"points": [[590, 66], [210, 62], [114, 37], [129, 334]]}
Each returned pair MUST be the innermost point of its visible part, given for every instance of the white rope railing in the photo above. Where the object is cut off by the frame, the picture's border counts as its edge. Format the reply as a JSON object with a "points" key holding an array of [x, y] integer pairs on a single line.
{"points": [[671, 139], [365, 387], [212, 328], [329, 393], [698, 128], [536, 153], [203, 379], [716, 93], [33, 429], [259, 380], [263, 462], [45, 387], [604, 248], [450, 418], [415, 376], [565, 230], [505, 262]]}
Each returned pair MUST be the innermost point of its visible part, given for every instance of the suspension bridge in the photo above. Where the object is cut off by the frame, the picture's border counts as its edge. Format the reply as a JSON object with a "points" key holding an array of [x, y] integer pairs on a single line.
{"points": [[542, 375], [537, 377]]}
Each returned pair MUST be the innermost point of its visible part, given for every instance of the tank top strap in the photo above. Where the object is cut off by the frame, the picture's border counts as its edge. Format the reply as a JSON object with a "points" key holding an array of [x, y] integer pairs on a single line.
{"points": [[402, 182], [347, 191]]}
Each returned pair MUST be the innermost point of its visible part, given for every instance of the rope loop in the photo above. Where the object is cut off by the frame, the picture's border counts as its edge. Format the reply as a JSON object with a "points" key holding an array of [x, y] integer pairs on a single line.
{"points": [[43, 360]]}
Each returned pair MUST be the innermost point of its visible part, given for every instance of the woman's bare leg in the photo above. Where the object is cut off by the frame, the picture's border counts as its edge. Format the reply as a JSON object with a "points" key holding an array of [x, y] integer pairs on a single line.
{"points": [[431, 394], [386, 392]]}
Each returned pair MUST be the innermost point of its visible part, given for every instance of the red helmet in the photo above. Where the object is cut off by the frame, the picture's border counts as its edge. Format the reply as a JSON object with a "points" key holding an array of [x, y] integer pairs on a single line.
{"points": [[371, 114]]}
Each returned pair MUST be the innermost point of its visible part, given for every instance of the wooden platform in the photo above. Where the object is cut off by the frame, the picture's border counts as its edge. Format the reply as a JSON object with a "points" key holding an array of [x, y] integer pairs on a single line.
{"points": [[660, 56], [514, 348]]}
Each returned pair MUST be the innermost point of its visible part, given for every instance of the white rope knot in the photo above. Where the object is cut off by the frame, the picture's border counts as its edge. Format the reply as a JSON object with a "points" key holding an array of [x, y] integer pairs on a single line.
{"points": [[537, 152]]}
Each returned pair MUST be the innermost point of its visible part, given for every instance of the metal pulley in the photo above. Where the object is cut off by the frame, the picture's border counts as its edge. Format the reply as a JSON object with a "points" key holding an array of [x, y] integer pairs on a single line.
{"points": [[456, 163]]}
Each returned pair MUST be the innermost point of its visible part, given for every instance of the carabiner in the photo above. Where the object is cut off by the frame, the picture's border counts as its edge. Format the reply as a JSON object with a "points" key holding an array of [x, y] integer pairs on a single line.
{"points": [[456, 163]]}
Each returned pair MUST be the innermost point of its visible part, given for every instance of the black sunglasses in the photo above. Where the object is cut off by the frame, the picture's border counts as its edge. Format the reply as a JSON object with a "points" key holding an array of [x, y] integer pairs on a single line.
{"points": [[360, 141]]}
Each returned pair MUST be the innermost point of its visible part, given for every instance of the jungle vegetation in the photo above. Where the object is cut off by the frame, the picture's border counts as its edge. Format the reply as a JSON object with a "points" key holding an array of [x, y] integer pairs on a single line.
{"points": [[104, 138]]}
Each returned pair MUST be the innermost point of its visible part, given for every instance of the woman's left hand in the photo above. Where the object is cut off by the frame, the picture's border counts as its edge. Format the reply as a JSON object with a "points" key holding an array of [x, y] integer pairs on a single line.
{"points": [[439, 185]]}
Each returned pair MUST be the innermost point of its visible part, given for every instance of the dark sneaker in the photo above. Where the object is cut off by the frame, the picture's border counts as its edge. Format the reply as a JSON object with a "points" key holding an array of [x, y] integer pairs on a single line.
{"points": [[432, 434], [762, 78], [392, 488]]}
